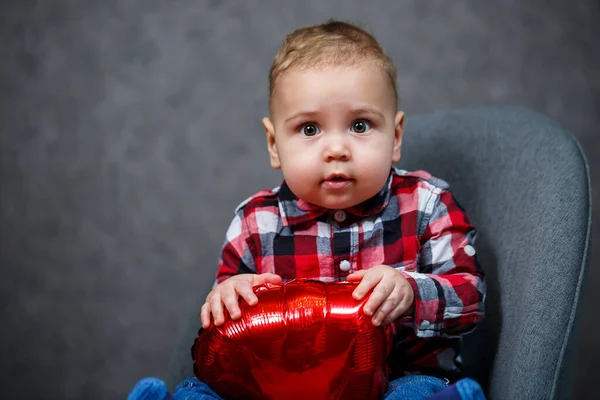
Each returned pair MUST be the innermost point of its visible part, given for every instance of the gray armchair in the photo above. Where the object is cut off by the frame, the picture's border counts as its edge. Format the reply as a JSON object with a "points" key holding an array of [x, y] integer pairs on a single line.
{"points": [[524, 182]]}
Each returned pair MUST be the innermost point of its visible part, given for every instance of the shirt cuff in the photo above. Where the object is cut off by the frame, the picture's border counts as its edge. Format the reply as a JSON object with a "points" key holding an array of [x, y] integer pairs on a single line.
{"points": [[424, 318]]}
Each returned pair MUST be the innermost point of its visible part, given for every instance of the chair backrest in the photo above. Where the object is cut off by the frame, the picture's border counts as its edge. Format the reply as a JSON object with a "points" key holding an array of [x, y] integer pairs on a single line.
{"points": [[524, 182]]}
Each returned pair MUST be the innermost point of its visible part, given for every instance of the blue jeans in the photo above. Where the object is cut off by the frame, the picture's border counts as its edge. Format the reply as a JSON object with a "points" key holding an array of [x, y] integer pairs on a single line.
{"points": [[406, 388]]}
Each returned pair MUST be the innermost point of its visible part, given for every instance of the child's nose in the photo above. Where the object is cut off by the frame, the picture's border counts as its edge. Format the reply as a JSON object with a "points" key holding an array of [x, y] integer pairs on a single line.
{"points": [[337, 149]]}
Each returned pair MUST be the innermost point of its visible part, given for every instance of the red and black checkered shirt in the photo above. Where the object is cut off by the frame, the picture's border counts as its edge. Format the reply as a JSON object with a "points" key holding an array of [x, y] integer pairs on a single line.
{"points": [[413, 224]]}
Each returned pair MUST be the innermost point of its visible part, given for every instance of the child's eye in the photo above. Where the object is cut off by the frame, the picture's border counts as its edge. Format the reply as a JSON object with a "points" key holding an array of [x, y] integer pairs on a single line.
{"points": [[360, 126], [309, 129]]}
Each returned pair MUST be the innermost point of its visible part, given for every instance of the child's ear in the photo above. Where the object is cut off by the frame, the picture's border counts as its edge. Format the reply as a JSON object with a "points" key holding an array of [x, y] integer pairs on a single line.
{"points": [[398, 132], [271, 146]]}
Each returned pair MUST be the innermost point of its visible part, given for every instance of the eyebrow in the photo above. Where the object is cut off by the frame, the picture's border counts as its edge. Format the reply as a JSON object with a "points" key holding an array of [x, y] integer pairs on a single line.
{"points": [[368, 110], [307, 114], [359, 110]]}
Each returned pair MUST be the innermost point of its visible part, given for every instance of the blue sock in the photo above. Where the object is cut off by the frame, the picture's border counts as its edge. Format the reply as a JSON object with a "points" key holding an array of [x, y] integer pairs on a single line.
{"points": [[150, 389]]}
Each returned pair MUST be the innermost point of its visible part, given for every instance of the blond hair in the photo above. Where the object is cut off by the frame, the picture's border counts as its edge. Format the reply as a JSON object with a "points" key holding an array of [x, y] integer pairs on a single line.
{"points": [[333, 43]]}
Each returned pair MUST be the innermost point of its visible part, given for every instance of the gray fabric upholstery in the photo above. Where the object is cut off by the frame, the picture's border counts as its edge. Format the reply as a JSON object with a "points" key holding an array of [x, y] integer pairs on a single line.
{"points": [[524, 182]]}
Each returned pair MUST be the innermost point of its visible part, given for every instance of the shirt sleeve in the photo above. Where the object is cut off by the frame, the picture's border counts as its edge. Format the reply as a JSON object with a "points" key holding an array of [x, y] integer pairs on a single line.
{"points": [[236, 256], [449, 284]]}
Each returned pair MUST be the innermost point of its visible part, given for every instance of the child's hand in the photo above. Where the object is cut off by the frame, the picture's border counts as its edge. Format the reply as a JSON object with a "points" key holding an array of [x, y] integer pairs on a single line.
{"points": [[228, 293], [392, 295]]}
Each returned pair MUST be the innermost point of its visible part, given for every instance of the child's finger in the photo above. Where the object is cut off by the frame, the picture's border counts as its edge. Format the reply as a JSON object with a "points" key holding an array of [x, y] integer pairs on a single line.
{"points": [[356, 276], [368, 282], [381, 292], [387, 306], [230, 299], [244, 289], [216, 309], [269, 278], [205, 315], [396, 312]]}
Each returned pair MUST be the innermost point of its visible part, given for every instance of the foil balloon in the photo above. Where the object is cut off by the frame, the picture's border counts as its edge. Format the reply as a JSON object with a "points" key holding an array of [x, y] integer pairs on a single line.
{"points": [[303, 340]]}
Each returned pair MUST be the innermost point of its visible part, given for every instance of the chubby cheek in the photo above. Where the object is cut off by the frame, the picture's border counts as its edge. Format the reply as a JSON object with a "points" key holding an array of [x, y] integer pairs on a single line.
{"points": [[300, 172], [373, 160], [373, 169]]}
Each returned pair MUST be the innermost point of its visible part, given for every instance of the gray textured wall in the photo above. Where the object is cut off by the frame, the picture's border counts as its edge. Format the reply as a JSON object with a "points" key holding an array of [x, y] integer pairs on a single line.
{"points": [[130, 130]]}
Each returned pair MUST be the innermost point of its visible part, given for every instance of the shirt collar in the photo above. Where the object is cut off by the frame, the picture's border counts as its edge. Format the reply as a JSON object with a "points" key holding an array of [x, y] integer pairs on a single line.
{"points": [[295, 211]]}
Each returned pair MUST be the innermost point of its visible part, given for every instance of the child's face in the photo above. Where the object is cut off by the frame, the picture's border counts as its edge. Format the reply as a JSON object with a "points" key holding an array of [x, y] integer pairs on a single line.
{"points": [[334, 133]]}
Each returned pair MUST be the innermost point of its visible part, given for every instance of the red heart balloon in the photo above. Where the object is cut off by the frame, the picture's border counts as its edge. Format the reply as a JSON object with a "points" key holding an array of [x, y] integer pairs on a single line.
{"points": [[303, 340]]}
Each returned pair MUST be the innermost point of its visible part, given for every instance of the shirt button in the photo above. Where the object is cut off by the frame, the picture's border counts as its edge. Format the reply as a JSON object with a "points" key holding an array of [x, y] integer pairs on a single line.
{"points": [[339, 216], [345, 265], [469, 250], [425, 324]]}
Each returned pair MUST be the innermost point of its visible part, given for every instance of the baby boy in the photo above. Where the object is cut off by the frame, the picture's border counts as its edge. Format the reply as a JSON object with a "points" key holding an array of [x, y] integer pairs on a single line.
{"points": [[344, 212]]}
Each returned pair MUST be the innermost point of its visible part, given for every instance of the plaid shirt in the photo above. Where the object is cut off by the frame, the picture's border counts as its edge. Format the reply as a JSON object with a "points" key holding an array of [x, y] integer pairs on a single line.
{"points": [[413, 224]]}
